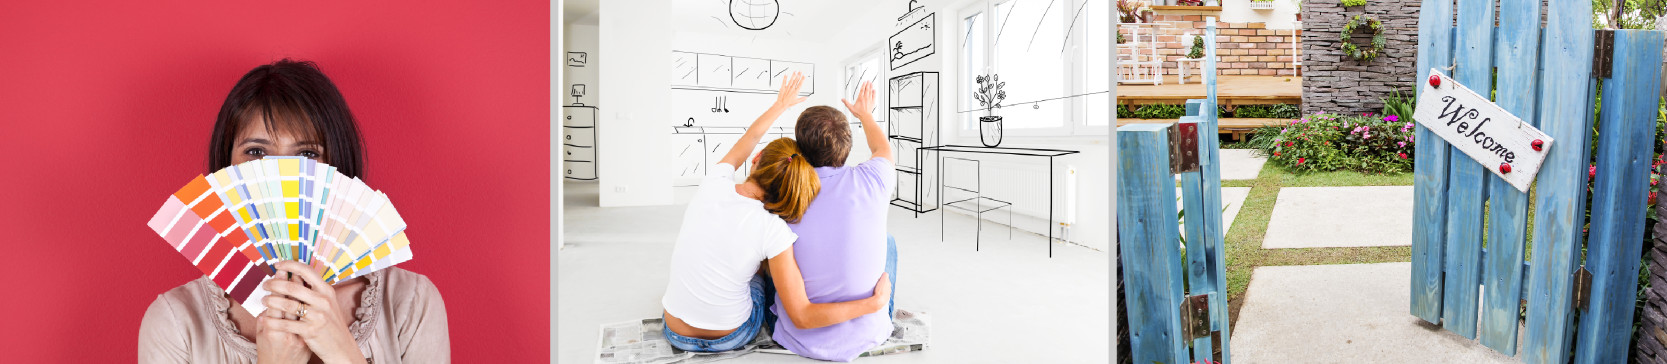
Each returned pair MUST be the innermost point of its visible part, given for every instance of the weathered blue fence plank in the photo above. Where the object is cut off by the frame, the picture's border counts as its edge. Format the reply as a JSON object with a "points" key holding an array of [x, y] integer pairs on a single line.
{"points": [[1564, 114], [1148, 234], [1626, 145], [1429, 219], [1210, 146], [1466, 187], [1516, 57]]}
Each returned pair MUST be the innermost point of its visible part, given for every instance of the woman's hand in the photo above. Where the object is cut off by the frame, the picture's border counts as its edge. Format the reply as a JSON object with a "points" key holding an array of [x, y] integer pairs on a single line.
{"points": [[272, 346], [322, 326], [882, 293], [789, 94]]}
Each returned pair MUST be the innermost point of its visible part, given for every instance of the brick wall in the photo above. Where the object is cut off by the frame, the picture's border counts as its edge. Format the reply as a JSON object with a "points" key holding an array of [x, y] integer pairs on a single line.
{"points": [[1334, 82], [1244, 48]]}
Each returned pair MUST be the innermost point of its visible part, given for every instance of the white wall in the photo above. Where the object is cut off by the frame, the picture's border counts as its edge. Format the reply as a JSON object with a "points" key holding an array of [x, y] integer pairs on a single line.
{"points": [[1095, 179], [1282, 16], [636, 37], [580, 36]]}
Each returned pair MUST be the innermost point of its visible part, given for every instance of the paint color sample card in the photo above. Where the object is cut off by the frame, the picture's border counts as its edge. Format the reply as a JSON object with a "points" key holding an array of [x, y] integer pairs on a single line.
{"points": [[234, 223]]}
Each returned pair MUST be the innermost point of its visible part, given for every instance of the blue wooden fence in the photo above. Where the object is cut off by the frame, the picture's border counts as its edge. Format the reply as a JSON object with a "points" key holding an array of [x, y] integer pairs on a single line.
{"points": [[1148, 232], [1543, 76]]}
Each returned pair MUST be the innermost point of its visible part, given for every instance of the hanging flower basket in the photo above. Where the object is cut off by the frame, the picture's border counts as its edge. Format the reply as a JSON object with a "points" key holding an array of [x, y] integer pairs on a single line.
{"points": [[1378, 39]]}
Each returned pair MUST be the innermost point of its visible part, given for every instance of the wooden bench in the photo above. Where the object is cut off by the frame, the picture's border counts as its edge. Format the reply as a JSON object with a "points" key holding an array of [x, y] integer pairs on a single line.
{"points": [[1237, 127]]}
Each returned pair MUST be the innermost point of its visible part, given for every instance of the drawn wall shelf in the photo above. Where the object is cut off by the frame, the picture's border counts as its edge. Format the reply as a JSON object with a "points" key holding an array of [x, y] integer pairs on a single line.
{"points": [[913, 124], [578, 129]]}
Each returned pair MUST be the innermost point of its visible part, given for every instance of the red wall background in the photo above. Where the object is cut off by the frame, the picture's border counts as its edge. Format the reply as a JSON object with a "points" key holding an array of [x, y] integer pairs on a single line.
{"points": [[106, 108]]}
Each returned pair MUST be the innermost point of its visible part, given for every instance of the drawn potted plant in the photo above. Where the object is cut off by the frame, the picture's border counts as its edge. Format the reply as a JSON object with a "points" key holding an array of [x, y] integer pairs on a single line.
{"points": [[990, 95], [1261, 4]]}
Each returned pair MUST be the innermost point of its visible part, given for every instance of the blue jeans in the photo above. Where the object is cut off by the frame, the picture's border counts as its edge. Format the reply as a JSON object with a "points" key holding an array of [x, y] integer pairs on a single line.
{"points": [[891, 273], [762, 292]]}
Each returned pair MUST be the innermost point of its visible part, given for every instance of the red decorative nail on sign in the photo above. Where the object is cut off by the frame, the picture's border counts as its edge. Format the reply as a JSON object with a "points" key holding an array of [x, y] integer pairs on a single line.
{"points": [[1504, 168], [1538, 144], [1435, 80]]}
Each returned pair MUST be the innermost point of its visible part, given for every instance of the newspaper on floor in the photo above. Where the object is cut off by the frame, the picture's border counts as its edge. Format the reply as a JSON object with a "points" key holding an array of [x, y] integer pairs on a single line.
{"points": [[644, 342], [909, 333]]}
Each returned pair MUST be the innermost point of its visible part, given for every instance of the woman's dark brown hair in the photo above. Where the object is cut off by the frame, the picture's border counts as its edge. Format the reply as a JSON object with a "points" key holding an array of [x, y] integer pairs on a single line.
{"points": [[293, 97]]}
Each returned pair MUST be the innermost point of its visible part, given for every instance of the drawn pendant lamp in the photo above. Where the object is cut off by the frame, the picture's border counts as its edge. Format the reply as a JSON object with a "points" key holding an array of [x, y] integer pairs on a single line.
{"points": [[990, 95]]}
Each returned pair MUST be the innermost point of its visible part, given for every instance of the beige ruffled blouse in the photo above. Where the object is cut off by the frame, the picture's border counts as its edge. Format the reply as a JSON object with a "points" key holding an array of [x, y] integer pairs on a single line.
{"points": [[400, 319]]}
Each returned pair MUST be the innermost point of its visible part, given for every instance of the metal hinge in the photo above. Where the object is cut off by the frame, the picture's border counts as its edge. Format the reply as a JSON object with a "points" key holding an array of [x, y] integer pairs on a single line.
{"points": [[1582, 287], [1195, 317], [1603, 53], [1195, 323], [1183, 147]]}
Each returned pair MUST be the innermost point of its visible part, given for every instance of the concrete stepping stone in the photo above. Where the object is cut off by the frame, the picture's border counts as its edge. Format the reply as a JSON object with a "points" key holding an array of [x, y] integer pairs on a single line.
{"points": [[1231, 197], [1239, 164], [1350, 313], [1314, 217]]}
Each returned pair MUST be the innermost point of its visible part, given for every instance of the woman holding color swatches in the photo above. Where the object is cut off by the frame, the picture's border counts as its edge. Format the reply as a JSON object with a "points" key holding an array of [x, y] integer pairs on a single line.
{"points": [[290, 108]]}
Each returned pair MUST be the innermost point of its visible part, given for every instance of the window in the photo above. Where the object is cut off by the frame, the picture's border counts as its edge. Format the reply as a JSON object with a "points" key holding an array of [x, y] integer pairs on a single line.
{"points": [[1054, 57], [866, 68]]}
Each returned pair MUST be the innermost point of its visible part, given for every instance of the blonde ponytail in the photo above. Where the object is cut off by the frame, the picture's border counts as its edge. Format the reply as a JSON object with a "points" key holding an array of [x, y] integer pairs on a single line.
{"points": [[789, 181]]}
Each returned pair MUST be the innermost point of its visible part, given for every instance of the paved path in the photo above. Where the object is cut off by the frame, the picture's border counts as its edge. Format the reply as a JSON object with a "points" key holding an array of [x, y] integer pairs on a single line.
{"points": [[1313, 217], [1351, 313]]}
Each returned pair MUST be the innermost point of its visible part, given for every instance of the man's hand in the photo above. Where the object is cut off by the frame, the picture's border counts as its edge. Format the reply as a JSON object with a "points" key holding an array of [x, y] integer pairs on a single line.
{"points": [[789, 94], [865, 102]]}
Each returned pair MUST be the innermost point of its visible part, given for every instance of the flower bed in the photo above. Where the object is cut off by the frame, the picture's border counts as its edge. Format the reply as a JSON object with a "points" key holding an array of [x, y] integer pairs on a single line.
{"points": [[1329, 142]]}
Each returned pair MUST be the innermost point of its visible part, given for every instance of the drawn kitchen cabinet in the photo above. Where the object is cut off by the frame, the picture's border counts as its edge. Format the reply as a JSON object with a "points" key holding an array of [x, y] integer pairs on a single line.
{"points": [[683, 67], [716, 72], [751, 73], [913, 124], [578, 142], [695, 148]]}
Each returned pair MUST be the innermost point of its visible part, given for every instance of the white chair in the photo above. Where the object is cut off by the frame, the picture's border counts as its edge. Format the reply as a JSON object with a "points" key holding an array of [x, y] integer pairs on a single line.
{"points": [[1296, 49], [1183, 62], [969, 198], [1138, 59]]}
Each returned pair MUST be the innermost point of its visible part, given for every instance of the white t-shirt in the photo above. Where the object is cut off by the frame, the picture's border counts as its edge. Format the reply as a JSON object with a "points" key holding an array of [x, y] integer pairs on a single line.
{"points": [[723, 239]]}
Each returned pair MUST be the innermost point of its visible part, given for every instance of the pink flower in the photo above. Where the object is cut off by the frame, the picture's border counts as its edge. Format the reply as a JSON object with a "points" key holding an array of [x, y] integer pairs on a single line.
{"points": [[1402, 144], [1276, 154], [1403, 155], [1301, 159], [1392, 118], [1592, 172]]}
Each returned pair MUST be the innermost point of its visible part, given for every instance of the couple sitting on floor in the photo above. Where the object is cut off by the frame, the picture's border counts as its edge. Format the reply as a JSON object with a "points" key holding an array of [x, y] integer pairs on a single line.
{"points": [[818, 223]]}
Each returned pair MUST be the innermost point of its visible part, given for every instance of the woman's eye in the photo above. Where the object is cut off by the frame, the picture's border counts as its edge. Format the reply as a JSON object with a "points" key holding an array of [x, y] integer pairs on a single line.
{"points": [[309, 154], [255, 152]]}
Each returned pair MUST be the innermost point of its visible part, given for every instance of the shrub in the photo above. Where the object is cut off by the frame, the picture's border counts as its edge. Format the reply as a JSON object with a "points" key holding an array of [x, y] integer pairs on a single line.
{"points": [[1277, 111], [1330, 142]]}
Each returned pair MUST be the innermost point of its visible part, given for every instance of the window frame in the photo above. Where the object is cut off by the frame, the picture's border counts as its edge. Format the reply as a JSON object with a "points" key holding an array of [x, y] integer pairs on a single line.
{"points": [[1074, 64]]}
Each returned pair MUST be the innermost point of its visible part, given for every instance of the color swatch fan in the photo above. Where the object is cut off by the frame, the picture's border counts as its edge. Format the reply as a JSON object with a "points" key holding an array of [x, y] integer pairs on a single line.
{"points": [[234, 223]]}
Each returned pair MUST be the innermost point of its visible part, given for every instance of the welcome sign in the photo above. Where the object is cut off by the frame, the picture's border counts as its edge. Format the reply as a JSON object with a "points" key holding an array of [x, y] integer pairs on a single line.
{"points": [[1501, 142]]}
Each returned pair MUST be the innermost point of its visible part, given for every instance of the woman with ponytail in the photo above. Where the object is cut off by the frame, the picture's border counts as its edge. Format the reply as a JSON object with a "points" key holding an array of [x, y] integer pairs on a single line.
{"points": [[718, 297]]}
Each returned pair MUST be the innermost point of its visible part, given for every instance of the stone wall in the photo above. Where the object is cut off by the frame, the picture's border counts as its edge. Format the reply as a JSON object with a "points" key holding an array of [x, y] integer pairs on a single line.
{"points": [[1244, 48], [1332, 81], [1652, 336]]}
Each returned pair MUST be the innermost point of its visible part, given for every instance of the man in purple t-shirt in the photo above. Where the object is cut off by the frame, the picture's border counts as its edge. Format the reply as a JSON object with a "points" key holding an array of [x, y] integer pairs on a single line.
{"points": [[843, 246]]}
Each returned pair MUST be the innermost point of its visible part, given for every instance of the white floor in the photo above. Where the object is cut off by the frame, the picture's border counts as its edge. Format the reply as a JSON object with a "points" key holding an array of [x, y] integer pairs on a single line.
{"points": [[1009, 303]]}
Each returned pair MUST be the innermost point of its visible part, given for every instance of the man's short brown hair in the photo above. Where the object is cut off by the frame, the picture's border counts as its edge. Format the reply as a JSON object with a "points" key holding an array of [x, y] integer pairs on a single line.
{"points": [[823, 136]]}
